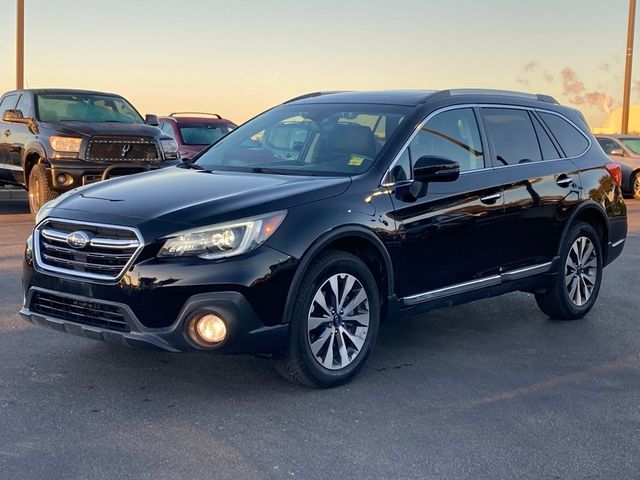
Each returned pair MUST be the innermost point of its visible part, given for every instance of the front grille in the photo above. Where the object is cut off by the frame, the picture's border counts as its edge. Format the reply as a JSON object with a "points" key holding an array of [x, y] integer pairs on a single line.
{"points": [[107, 149], [108, 250], [96, 314]]}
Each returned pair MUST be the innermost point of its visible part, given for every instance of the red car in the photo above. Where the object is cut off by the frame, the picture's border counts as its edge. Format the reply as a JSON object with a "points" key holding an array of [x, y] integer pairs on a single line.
{"points": [[195, 130]]}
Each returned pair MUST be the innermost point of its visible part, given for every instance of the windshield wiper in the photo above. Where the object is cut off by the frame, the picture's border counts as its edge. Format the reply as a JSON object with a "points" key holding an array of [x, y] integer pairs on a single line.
{"points": [[192, 166], [266, 170]]}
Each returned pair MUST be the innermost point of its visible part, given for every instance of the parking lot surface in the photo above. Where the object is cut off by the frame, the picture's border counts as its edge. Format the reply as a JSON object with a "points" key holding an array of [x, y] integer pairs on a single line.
{"points": [[492, 389]]}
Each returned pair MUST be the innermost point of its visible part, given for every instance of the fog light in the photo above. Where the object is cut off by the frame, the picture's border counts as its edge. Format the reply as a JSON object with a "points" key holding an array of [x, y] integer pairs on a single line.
{"points": [[64, 179], [208, 329]]}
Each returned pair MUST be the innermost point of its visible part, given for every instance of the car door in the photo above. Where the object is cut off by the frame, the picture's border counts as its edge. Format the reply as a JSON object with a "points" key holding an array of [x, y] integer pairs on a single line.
{"points": [[541, 186], [450, 235], [20, 136], [6, 136]]}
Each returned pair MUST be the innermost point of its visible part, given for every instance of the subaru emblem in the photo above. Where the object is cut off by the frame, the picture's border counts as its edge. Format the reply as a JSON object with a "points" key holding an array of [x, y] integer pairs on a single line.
{"points": [[78, 239]]}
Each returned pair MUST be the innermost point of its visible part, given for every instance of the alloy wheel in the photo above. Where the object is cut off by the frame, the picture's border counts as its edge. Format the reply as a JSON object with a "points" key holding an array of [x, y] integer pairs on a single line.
{"points": [[636, 186], [338, 321], [581, 271]]}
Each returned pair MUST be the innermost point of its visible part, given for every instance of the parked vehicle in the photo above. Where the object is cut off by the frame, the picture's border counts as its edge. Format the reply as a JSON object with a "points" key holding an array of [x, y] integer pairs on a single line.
{"points": [[55, 140], [195, 130], [396, 203], [624, 149]]}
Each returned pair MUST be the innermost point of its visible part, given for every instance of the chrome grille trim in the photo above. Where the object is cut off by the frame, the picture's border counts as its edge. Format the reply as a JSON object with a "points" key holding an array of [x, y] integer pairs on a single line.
{"points": [[110, 258]]}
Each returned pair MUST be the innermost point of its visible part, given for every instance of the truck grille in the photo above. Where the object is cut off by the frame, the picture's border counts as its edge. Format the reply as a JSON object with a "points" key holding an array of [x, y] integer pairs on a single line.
{"points": [[101, 252], [96, 314], [103, 149]]}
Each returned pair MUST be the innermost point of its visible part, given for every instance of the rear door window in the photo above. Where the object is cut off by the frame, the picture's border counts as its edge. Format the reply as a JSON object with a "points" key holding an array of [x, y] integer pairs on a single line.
{"points": [[513, 135], [549, 151], [573, 142]]}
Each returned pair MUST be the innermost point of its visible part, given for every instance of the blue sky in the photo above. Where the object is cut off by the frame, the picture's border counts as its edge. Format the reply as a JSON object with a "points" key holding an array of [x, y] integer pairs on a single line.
{"points": [[240, 57]]}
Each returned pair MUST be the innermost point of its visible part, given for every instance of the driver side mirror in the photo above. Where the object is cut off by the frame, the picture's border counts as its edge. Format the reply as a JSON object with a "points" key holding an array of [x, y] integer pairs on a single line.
{"points": [[429, 168], [617, 151], [151, 119], [15, 116]]}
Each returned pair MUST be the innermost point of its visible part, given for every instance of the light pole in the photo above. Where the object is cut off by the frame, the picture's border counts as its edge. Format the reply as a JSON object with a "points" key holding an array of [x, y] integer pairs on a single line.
{"points": [[20, 44], [627, 67]]}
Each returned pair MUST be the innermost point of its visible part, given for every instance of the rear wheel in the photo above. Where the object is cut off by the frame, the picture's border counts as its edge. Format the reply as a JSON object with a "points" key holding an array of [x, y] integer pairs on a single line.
{"points": [[40, 189], [335, 322], [575, 288], [635, 186]]}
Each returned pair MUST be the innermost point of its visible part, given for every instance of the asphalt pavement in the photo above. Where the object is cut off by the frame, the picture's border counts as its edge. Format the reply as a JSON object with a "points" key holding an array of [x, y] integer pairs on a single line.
{"points": [[488, 390]]}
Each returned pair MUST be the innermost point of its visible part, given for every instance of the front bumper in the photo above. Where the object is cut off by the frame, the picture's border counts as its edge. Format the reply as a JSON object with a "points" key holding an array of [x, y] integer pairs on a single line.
{"points": [[79, 173], [245, 332]]}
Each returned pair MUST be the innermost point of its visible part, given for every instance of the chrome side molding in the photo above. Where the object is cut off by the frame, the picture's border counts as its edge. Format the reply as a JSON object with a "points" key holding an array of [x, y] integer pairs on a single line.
{"points": [[491, 281]]}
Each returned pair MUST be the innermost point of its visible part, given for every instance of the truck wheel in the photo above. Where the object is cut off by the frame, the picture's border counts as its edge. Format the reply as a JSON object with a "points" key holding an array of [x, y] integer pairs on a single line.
{"points": [[40, 191], [334, 324], [574, 289], [635, 185]]}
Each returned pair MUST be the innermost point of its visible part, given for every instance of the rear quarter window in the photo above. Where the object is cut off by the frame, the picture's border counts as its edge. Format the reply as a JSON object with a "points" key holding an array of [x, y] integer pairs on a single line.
{"points": [[572, 142]]}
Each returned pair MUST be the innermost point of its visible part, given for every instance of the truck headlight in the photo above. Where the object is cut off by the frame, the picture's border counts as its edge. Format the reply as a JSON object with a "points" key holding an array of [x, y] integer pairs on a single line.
{"points": [[169, 147], [224, 240], [65, 144]]}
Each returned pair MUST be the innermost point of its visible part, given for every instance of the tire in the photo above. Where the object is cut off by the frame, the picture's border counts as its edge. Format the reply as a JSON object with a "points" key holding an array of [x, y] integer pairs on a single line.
{"points": [[634, 185], [325, 351], [575, 288], [40, 190]]}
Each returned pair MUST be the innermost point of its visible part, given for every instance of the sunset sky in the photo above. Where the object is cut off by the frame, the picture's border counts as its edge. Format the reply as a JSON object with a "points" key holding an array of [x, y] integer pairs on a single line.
{"points": [[239, 57]]}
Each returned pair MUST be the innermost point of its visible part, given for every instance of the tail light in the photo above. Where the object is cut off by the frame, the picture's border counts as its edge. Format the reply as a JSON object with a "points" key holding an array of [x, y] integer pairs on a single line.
{"points": [[615, 171]]}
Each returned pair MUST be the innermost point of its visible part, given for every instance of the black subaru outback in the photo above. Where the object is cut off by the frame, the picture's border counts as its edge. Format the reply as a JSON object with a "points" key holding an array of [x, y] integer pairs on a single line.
{"points": [[302, 230], [52, 141]]}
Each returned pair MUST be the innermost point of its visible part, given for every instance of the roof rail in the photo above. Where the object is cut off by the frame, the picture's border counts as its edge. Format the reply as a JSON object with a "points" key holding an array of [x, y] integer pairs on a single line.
{"points": [[486, 91], [310, 95], [196, 113]]}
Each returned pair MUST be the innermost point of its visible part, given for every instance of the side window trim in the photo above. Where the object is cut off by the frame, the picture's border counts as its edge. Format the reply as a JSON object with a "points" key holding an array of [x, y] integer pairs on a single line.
{"points": [[487, 144], [384, 181]]}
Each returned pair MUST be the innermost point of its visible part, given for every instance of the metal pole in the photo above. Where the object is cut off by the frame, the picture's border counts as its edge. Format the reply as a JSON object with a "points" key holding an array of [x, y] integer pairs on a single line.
{"points": [[20, 44], [628, 66]]}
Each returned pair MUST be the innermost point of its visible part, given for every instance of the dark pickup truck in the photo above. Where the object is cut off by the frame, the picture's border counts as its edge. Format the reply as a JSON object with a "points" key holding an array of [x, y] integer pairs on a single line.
{"points": [[54, 140]]}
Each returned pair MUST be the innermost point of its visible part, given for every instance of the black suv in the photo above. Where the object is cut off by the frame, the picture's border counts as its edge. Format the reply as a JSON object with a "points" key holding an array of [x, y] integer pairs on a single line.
{"points": [[55, 140], [394, 203]]}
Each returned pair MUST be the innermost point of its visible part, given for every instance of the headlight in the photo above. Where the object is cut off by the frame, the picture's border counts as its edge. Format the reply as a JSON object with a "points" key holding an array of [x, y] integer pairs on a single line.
{"points": [[224, 240], [169, 147], [65, 144]]}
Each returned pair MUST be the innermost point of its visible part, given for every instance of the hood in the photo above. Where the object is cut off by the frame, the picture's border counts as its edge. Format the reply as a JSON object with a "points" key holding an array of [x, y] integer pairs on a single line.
{"points": [[90, 129], [189, 198]]}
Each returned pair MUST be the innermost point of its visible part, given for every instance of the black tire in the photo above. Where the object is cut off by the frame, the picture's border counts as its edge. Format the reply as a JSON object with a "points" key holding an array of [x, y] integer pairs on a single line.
{"points": [[299, 363], [40, 190], [634, 186], [559, 301]]}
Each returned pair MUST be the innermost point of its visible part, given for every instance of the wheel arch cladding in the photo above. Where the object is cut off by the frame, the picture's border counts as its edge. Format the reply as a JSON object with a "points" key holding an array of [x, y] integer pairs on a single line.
{"points": [[592, 214], [358, 241]]}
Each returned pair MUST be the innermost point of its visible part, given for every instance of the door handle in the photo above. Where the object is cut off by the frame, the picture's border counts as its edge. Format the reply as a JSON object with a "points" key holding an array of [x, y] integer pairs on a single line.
{"points": [[7, 132], [490, 199], [564, 180]]}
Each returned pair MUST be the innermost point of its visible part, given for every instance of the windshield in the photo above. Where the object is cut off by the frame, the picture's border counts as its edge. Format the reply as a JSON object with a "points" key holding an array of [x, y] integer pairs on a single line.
{"points": [[331, 139], [203, 134], [633, 144], [78, 107]]}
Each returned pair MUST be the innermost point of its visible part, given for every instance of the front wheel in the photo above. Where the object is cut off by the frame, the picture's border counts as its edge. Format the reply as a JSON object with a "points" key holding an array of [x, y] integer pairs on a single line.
{"points": [[574, 289], [335, 322], [40, 189]]}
